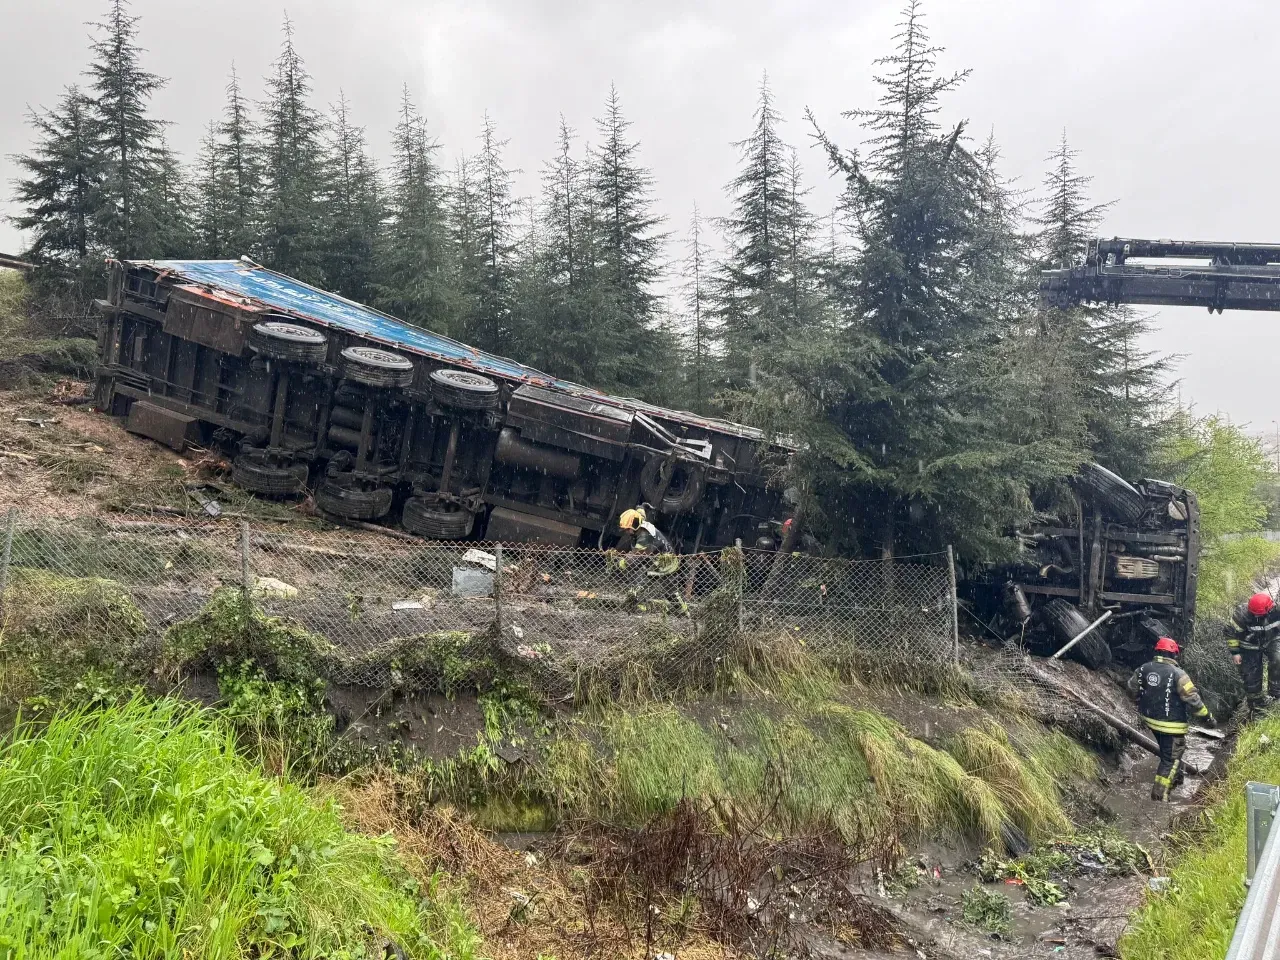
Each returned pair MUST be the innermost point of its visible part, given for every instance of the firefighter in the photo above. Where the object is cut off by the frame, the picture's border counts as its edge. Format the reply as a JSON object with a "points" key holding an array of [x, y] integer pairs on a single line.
{"points": [[1253, 634], [1166, 697], [639, 534]]}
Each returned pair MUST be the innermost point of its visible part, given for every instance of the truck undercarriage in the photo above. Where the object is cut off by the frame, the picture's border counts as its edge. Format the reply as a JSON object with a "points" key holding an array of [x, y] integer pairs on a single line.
{"points": [[386, 422]]}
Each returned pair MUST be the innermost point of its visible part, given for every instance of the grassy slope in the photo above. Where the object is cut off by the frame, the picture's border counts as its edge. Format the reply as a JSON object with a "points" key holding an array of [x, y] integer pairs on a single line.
{"points": [[1196, 918], [137, 830]]}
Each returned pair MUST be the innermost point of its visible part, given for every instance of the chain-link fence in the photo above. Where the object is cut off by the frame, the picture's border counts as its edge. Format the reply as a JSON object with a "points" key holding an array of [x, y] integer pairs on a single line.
{"points": [[383, 612]]}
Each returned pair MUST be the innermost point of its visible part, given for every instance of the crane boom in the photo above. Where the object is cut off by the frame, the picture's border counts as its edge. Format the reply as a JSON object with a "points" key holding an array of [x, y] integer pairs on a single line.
{"points": [[1218, 276]]}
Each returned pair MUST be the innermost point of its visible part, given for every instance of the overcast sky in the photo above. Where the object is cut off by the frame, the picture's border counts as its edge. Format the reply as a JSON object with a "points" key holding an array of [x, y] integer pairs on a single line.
{"points": [[1170, 103]]}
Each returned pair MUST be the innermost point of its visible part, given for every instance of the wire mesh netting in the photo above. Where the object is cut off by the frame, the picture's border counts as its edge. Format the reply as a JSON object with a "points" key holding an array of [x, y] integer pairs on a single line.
{"points": [[385, 612]]}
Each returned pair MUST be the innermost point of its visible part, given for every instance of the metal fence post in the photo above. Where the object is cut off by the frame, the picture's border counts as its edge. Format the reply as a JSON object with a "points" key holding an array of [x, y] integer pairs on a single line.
{"points": [[742, 582], [246, 586], [955, 604], [8, 553], [497, 585]]}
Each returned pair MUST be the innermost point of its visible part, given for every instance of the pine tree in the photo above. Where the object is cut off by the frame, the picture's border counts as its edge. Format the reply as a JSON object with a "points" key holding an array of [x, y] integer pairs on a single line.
{"points": [[210, 217], [906, 445], [758, 290], [483, 215], [128, 136], [415, 259], [61, 192], [698, 334], [1119, 388], [353, 211], [293, 180], [241, 183], [628, 243]]}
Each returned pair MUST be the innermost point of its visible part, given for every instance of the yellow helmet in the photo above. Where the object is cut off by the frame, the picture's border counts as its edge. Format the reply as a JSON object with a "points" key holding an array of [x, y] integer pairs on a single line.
{"points": [[631, 519]]}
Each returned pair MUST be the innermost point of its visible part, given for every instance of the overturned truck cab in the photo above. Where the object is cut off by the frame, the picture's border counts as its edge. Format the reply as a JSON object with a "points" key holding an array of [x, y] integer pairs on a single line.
{"points": [[387, 422], [1131, 549]]}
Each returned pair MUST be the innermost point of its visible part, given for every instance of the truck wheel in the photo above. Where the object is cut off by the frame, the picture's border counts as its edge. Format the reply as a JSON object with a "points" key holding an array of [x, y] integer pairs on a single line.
{"points": [[280, 340], [436, 521], [683, 492], [463, 390], [376, 368], [253, 472], [342, 499], [1067, 622], [1114, 496]]}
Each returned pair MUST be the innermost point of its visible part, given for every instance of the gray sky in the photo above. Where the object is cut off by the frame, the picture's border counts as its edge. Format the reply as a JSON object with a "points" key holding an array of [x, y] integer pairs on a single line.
{"points": [[1168, 101]]}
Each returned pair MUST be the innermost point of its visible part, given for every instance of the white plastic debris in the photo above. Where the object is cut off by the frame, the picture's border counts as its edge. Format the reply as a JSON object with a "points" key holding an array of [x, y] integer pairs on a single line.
{"points": [[487, 560], [270, 588], [1158, 884], [406, 605], [517, 631]]}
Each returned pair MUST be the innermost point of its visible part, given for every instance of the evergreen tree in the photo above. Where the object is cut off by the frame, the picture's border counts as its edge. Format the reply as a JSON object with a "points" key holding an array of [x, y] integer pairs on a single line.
{"points": [[904, 445], [61, 191], [353, 209], [628, 243], [415, 259], [483, 215], [758, 288], [241, 181], [1119, 389], [698, 333], [293, 180], [128, 136], [210, 222]]}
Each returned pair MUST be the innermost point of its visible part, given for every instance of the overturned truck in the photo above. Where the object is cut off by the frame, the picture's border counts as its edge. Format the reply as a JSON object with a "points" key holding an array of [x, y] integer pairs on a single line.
{"points": [[1131, 549], [390, 423]]}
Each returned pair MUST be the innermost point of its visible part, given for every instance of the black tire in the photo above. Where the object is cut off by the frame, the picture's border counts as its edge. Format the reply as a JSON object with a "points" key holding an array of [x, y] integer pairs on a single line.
{"points": [[348, 502], [683, 492], [463, 390], [1067, 622], [252, 472], [1114, 496], [376, 368], [283, 340], [436, 521]]}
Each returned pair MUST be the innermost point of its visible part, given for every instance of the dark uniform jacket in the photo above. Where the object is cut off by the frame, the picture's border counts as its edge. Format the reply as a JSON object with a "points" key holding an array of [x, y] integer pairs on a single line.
{"points": [[1245, 631], [1166, 696]]}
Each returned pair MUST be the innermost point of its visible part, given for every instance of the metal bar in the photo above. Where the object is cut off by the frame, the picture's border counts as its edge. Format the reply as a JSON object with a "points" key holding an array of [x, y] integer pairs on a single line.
{"points": [[7, 557], [497, 585], [1082, 634], [955, 603], [246, 587], [1257, 931]]}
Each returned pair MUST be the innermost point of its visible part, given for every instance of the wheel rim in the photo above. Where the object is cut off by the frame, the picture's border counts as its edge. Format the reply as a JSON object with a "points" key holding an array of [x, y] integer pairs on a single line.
{"points": [[465, 379], [291, 332], [380, 359]]}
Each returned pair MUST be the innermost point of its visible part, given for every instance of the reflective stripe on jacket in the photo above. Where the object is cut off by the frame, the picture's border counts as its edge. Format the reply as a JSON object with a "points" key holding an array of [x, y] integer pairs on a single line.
{"points": [[1245, 631], [1166, 696]]}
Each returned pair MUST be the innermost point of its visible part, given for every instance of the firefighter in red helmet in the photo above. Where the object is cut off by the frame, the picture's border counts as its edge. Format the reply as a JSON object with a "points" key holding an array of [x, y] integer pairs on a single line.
{"points": [[1167, 700], [1253, 636]]}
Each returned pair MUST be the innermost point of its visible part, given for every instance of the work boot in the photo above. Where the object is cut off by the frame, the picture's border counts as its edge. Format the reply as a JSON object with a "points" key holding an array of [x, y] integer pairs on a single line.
{"points": [[1157, 792]]}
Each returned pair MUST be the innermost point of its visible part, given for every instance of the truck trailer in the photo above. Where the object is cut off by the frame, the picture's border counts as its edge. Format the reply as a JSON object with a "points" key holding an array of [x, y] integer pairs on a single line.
{"points": [[381, 421]]}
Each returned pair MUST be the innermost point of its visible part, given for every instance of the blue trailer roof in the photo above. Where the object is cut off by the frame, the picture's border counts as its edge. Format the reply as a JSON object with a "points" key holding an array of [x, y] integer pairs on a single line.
{"points": [[251, 282]]}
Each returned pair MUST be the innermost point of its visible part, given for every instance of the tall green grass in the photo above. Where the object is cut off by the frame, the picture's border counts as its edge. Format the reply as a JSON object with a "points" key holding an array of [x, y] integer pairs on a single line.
{"points": [[138, 831], [1195, 919], [810, 765]]}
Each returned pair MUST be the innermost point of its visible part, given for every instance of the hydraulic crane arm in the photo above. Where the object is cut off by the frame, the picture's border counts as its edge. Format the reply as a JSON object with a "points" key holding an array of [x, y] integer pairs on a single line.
{"points": [[1219, 276]]}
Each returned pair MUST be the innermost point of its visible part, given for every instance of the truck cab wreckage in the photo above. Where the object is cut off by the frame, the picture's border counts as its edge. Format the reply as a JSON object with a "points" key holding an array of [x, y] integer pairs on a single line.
{"points": [[388, 422]]}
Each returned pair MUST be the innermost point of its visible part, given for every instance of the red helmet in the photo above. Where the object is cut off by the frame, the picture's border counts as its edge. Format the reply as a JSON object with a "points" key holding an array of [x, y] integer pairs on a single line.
{"points": [[1167, 645], [1260, 604]]}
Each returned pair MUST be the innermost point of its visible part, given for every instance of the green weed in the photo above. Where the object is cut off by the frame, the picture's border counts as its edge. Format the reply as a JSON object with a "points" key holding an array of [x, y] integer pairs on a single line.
{"points": [[987, 910], [139, 831]]}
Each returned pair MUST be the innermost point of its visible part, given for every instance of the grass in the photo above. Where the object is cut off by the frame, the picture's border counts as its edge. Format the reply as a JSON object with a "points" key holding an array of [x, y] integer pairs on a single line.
{"points": [[807, 765], [1195, 918], [138, 831]]}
